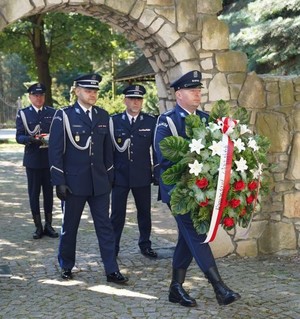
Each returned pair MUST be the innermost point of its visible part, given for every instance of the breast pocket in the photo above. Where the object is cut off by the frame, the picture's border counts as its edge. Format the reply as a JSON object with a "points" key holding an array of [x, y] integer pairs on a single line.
{"points": [[145, 134], [120, 136], [80, 134]]}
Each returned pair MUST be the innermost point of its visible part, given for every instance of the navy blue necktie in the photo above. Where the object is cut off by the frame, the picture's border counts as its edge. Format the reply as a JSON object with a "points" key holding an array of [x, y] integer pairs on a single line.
{"points": [[88, 114]]}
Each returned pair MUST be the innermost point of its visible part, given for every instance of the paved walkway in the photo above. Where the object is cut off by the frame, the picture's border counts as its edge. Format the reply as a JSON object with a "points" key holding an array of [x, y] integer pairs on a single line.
{"points": [[269, 285]]}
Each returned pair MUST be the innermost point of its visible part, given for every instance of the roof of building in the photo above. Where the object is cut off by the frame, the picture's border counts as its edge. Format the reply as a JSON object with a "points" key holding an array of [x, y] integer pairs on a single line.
{"points": [[140, 70]]}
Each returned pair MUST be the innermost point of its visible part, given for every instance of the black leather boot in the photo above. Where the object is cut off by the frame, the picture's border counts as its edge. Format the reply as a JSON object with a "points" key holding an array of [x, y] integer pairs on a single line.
{"points": [[176, 292], [39, 227], [224, 295], [48, 229]]}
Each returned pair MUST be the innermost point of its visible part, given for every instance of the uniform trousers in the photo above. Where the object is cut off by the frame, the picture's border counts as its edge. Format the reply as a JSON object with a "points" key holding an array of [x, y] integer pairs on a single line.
{"points": [[99, 207], [38, 179], [142, 198], [190, 245]]}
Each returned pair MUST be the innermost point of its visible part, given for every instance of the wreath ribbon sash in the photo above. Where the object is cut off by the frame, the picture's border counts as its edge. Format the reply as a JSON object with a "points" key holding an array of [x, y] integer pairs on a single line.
{"points": [[223, 186]]}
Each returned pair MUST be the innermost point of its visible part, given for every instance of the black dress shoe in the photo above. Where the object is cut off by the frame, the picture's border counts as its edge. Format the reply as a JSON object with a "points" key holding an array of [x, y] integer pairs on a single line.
{"points": [[49, 231], [149, 252], [66, 273], [38, 233], [117, 278]]}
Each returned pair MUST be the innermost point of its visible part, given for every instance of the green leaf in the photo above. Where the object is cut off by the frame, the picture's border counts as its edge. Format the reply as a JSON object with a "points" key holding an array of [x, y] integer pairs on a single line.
{"points": [[173, 174], [191, 121], [242, 115], [219, 110], [174, 148], [178, 201]]}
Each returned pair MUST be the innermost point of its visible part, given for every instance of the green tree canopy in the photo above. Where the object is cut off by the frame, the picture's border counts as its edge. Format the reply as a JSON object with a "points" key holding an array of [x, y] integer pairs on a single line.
{"points": [[61, 46], [268, 31]]}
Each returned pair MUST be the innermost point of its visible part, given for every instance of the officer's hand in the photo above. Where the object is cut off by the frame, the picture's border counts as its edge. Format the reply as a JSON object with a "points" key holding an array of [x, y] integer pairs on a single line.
{"points": [[62, 191], [36, 141], [155, 181]]}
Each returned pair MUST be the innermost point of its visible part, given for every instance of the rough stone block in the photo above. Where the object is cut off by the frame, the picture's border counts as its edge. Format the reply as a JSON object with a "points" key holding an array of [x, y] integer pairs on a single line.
{"points": [[252, 94], [160, 3], [222, 245], [294, 162], [273, 100], [274, 126], [215, 34], [286, 92], [182, 51], [167, 35], [137, 10], [168, 13], [120, 6], [247, 248], [236, 78], [292, 205], [231, 61], [146, 19], [277, 237], [209, 7], [186, 9], [218, 88]]}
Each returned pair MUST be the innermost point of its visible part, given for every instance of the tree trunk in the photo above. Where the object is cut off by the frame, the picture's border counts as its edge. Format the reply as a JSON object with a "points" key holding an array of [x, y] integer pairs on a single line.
{"points": [[41, 55]]}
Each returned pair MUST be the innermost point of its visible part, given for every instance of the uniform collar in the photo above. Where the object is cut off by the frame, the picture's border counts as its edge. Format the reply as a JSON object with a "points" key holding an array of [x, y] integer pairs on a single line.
{"points": [[84, 109], [36, 109]]}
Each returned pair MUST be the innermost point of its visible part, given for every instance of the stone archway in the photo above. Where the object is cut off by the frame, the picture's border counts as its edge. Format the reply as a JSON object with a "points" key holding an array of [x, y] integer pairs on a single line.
{"points": [[179, 36], [172, 43]]}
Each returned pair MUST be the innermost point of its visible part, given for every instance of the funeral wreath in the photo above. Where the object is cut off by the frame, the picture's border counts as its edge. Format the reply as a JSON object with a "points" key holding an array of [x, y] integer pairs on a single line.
{"points": [[219, 172]]}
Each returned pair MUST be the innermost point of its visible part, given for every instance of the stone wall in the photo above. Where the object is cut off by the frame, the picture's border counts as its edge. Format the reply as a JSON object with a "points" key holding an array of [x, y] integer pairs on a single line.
{"points": [[179, 36]]}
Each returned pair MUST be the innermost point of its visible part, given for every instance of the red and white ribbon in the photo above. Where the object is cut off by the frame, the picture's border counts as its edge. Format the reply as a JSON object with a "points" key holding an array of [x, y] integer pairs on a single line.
{"points": [[222, 186]]}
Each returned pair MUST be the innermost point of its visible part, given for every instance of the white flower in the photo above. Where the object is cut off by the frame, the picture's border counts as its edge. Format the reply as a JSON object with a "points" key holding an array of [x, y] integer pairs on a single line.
{"points": [[196, 146], [257, 172], [239, 144], [216, 148], [244, 129], [252, 143], [241, 165], [196, 168]]}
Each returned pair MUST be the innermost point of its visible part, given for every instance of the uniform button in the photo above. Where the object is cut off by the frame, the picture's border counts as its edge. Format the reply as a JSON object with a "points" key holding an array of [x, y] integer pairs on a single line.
{"points": [[131, 160], [131, 135], [92, 154], [92, 164]]}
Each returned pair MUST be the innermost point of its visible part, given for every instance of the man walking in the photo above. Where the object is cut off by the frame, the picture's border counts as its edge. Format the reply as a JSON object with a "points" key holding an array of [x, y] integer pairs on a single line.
{"points": [[81, 161], [132, 134]]}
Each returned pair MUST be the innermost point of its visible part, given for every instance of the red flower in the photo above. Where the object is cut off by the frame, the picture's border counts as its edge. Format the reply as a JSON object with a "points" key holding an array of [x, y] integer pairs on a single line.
{"points": [[202, 183], [203, 204], [250, 199], [234, 203], [243, 212], [239, 185], [252, 185], [228, 222]]}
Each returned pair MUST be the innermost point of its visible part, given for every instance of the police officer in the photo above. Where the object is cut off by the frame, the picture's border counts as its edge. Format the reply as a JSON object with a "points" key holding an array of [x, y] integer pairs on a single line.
{"points": [[190, 243], [33, 125], [132, 134], [81, 160]]}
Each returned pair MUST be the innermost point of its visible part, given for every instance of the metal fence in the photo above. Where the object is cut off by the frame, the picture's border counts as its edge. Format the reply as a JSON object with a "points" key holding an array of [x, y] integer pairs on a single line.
{"points": [[8, 112]]}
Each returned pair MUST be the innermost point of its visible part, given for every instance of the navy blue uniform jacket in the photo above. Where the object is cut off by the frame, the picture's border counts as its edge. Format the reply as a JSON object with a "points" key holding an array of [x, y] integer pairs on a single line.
{"points": [[87, 172], [177, 114], [133, 167], [34, 156]]}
